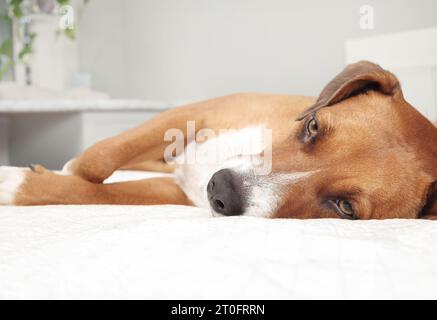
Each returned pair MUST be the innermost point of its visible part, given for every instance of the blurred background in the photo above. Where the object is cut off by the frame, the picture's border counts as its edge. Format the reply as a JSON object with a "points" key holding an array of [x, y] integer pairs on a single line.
{"points": [[77, 71]]}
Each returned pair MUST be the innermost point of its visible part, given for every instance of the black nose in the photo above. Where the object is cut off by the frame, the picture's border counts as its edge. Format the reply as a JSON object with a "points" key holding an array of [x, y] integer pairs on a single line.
{"points": [[224, 193]]}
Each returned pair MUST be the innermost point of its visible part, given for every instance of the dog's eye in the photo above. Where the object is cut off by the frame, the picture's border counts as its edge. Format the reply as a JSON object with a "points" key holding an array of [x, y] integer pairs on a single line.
{"points": [[312, 128], [345, 208]]}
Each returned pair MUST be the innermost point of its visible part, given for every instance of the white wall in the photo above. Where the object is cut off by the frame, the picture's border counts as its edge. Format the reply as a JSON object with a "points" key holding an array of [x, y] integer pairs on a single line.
{"points": [[102, 53], [193, 49]]}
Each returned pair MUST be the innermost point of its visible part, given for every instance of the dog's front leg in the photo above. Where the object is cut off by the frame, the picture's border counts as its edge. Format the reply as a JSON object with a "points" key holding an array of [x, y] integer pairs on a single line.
{"points": [[146, 142], [26, 187], [143, 143]]}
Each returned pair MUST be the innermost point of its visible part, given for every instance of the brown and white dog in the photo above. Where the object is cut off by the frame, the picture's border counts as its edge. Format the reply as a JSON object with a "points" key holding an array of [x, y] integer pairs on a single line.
{"points": [[359, 151]]}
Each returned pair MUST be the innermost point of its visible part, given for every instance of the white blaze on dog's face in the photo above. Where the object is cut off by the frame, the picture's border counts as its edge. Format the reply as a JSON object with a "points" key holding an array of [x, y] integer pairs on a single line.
{"points": [[233, 175], [360, 152]]}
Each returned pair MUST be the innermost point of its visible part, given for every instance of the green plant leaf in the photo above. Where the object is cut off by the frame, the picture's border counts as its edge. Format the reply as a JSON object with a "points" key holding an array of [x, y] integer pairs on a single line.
{"points": [[5, 17], [4, 66], [16, 8], [24, 52], [6, 57], [63, 2], [6, 48], [70, 34]]}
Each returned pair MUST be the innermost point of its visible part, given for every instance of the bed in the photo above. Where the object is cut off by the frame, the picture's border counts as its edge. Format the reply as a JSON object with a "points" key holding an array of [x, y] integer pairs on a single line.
{"points": [[176, 252]]}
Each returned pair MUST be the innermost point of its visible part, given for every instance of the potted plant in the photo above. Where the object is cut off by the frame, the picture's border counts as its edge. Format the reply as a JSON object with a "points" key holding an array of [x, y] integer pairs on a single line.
{"points": [[41, 49]]}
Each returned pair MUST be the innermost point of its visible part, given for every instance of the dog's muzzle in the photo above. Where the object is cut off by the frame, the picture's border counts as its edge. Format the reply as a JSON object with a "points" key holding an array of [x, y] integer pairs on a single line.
{"points": [[225, 193]]}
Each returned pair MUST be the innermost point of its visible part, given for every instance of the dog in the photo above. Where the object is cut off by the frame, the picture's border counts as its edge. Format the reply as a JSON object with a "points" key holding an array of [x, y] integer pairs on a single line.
{"points": [[358, 151]]}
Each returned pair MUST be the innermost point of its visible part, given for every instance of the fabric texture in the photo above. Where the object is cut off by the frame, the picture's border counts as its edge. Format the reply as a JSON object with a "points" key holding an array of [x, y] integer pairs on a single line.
{"points": [[177, 252]]}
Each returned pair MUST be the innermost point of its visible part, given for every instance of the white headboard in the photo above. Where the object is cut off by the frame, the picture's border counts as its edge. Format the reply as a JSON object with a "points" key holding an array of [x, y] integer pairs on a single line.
{"points": [[412, 56]]}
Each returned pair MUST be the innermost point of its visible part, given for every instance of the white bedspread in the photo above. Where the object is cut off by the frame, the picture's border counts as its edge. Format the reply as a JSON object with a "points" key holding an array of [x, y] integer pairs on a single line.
{"points": [[180, 252]]}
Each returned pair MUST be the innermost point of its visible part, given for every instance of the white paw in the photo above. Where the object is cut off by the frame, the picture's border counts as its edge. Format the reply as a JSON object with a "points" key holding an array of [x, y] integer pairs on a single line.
{"points": [[11, 179], [66, 170]]}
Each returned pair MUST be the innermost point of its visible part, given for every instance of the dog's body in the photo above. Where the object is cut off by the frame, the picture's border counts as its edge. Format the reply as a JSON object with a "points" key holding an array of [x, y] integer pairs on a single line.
{"points": [[358, 151]]}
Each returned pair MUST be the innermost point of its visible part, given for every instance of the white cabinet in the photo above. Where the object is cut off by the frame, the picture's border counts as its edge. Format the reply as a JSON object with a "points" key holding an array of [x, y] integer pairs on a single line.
{"points": [[38, 133], [100, 125]]}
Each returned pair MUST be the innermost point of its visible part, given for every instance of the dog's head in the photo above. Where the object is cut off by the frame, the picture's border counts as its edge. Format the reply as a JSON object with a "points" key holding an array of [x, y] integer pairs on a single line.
{"points": [[360, 152]]}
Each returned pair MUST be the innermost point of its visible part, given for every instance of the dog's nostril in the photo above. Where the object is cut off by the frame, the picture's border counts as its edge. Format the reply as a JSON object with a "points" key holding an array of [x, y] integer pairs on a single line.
{"points": [[225, 194], [219, 204]]}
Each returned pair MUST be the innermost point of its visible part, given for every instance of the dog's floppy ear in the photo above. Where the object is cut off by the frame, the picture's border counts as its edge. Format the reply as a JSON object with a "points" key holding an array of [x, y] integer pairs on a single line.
{"points": [[429, 211], [355, 79]]}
